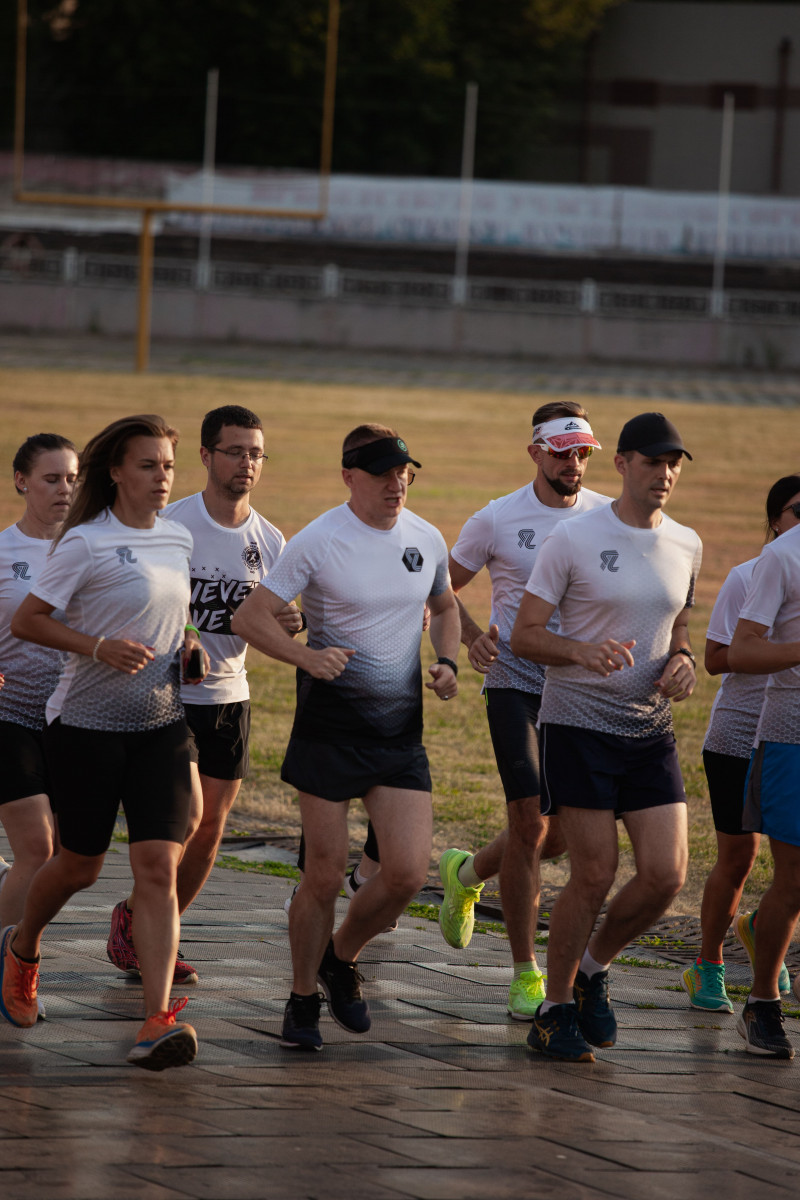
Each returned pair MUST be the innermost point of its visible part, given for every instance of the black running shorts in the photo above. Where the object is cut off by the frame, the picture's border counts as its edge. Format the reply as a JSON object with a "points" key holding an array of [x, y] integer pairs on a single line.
{"points": [[512, 716], [349, 772], [726, 775], [582, 768], [94, 771], [24, 771], [222, 735]]}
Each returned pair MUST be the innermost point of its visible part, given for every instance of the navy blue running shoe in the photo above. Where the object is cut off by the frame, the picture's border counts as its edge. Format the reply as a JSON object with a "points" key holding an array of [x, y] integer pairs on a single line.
{"points": [[341, 982], [556, 1035], [596, 1019], [301, 1023]]}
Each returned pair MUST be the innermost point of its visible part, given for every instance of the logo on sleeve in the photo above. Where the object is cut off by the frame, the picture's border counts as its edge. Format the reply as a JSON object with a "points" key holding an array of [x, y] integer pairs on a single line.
{"points": [[125, 555], [608, 559], [526, 537], [251, 557], [20, 570], [412, 559]]}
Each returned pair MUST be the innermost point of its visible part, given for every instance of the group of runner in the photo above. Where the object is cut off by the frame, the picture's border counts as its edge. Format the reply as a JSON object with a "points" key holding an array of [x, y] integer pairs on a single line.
{"points": [[124, 622]]}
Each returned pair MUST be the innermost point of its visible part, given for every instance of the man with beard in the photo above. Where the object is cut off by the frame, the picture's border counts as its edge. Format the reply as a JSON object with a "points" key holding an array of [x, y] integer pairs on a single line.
{"points": [[234, 548], [505, 537]]}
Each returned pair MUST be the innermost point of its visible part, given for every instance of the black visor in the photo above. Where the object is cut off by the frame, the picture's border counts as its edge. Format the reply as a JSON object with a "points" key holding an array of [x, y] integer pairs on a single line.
{"points": [[380, 456]]}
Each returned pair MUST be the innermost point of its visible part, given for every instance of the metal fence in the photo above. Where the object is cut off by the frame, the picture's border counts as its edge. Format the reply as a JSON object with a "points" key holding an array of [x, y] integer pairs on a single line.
{"points": [[414, 289]]}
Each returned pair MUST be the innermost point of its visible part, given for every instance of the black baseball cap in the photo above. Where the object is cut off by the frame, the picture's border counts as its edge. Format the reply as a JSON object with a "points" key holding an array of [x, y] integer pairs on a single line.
{"points": [[377, 457], [652, 434]]}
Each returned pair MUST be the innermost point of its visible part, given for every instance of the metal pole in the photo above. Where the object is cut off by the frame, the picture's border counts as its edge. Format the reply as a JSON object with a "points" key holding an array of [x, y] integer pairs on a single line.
{"points": [[145, 290], [465, 198], [720, 249], [209, 155], [19, 106], [328, 104]]}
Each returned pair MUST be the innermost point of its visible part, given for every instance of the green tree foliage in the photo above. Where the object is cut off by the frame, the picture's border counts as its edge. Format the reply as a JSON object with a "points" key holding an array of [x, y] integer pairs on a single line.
{"points": [[128, 79]]}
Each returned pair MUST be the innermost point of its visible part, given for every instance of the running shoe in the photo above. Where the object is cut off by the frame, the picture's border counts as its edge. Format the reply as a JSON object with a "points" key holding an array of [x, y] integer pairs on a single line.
{"points": [[761, 1026], [457, 911], [595, 1015], [41, 1011], [796, 987], [301, 1023], [287, 904], [556, 1035], [120, 948], [525, 995], [341, 982], [351, 886], [18, 983], [164, 1042], [4, 869], [745, 929], [704, 982], [183, 973]]}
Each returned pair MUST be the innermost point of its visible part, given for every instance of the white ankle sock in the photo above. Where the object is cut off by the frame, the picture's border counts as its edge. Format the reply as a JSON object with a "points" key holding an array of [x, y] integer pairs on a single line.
{"points": [[590, 966]]}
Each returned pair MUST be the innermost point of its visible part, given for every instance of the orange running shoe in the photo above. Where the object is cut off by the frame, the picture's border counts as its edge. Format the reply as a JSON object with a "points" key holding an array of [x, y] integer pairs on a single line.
{"points": [[18, 983], [164, 1042]]}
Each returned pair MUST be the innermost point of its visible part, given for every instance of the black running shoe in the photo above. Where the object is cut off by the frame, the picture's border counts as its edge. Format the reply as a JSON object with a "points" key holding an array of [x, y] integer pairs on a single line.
{"points": [[341, 982], [301, 1022], [556, 1035], [596, 1019], [761, 1026]]}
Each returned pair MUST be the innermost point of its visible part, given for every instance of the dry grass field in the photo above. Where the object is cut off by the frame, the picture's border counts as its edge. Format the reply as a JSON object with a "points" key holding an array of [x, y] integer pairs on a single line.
{"points": [[472, 447]]}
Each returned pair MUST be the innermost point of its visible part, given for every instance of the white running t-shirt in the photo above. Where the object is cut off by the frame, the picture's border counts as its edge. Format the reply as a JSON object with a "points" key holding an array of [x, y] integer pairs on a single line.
{"points": [[31, 672], [612, 580], [121, 582], [773, 599], [226, 565], [363, 589], [737, 704], [505, 537]]}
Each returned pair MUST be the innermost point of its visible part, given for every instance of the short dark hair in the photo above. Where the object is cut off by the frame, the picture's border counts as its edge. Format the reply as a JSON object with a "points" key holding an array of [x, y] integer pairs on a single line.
{"points": [[362, 435], [778, 497], [228, 414], [32, 447], [559, 408]]}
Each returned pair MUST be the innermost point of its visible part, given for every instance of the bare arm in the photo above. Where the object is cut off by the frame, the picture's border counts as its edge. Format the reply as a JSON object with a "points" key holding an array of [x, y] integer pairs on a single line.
{"points": [[481, 646], [715, 659], [256, 620], [445, 634], [679, 676], [32, 622], [530, 638], [751, 653]]}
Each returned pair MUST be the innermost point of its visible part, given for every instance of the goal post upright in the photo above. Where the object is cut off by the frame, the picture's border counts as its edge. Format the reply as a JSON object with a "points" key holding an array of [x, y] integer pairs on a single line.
{"points": [[149, 207]]}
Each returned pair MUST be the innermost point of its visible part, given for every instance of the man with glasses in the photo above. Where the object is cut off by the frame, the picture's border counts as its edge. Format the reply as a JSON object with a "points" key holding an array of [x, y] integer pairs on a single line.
{"points": [[622, 579], [365, 571], [505, 537], [234, 548]]}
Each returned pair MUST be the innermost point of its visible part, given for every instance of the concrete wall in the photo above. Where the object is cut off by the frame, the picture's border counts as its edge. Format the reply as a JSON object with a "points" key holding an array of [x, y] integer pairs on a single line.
{"points": [[687, 49], [32, 308]]}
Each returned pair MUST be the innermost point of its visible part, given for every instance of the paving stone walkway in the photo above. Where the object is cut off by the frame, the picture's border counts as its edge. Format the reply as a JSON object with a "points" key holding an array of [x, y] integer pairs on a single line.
{"points": [[376, 368], [441, 1099]]}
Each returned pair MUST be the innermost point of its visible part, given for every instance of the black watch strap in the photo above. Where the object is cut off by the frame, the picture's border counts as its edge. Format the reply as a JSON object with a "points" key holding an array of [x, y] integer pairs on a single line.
{"points": [[448, 662], [685, 650]]}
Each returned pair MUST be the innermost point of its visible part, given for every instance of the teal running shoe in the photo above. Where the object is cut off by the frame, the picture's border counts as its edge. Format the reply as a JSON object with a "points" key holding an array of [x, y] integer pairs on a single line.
{"points": [[704, 983], [745, 929]]}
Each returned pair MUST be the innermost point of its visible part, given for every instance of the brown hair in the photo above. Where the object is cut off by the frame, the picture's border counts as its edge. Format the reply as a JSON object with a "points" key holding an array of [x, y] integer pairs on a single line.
{"points": [[559, 408], [362, 435], [102, 452], [32, 447]]}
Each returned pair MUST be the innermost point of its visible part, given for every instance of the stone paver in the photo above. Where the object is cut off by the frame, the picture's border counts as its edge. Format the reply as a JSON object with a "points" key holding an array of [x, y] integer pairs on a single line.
{"points": [[395, 369], [442, 1098]]}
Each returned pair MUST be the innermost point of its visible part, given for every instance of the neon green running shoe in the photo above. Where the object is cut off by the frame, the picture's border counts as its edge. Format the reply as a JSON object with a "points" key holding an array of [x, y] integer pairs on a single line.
{"points": [[745, 929], [704, 983], [456, 915], [525, 995]]}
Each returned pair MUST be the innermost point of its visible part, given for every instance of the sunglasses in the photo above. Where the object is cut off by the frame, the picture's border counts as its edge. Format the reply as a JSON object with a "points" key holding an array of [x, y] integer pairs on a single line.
{"points": [[795, 509], [578, 451]]}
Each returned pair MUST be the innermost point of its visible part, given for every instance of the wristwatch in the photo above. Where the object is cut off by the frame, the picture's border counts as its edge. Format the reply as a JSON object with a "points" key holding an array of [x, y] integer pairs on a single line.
{"points": [[685, 650]]}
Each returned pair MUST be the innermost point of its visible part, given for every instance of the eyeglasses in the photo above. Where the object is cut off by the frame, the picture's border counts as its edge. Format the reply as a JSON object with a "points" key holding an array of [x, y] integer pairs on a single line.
{"points": [[795, 509], [255, 456], [579, 451]]}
